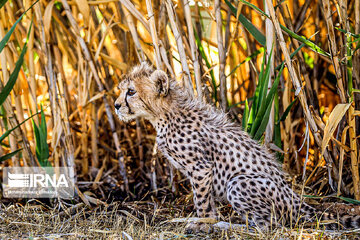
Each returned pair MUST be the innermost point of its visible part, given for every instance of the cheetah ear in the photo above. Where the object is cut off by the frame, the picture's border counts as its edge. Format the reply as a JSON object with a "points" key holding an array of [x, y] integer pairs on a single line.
{"points": [[161, 81]]}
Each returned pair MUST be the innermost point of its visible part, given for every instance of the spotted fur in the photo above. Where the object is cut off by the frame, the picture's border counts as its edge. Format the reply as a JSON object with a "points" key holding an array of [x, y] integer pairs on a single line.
{"points": [[222, 162]]}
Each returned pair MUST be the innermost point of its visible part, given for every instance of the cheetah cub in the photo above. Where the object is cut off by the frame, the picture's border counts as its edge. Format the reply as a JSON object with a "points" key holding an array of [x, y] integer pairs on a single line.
{"points": [[221, 161]]}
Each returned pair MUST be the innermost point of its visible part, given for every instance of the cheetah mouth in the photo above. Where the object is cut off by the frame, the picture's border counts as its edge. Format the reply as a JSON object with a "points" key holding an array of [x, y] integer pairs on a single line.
{"points": [[119, 115], [123, 116]]}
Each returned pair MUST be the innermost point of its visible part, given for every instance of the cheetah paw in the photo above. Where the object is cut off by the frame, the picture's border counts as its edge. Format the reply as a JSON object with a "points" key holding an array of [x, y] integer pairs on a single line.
{"points": [[194, 227]]}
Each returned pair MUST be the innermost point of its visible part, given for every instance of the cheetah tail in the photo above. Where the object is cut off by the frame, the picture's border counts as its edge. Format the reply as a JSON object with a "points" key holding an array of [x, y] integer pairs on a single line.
{"points": [[343, 220]]}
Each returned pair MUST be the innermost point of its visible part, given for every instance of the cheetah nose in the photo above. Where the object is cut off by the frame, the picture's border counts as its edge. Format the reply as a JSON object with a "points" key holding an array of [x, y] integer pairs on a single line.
{"points": [[117, 106]]}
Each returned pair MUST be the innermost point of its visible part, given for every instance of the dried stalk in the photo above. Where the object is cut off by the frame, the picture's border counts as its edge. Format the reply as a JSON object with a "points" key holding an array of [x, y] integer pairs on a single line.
{"points": [[166, 60], [136, 13], [341, 160], [357, 16], [153, 168], [286, 136], [353, 153], [301, 15], [65, 126], [356, 75], [134, 35], [153, 33], [17, 137], [59, 125], [309, 91], [108, 110], [297, 85], [31, 65], [222, 56], [194, 53], [84, 142], [180, 46], [17, 87], [7, 103], [350, 114], [270, 35], [94, 131], [333, 48], [356, 57], [139, 143]]}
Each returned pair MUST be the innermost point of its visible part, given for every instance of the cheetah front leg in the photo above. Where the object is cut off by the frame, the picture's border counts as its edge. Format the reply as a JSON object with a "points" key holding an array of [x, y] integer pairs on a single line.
{"points": [[201, 181]]}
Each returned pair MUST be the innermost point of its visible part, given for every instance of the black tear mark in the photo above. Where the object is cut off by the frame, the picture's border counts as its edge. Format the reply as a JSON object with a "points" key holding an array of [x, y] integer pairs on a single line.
{"points": [[127, 104]]}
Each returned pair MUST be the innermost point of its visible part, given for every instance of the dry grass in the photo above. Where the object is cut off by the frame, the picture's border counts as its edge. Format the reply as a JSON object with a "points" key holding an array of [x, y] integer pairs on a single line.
{"points": [[138, 220]]}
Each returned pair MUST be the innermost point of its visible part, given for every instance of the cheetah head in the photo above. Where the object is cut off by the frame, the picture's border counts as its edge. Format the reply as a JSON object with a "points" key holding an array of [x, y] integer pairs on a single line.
{"points": [[143, 93]]}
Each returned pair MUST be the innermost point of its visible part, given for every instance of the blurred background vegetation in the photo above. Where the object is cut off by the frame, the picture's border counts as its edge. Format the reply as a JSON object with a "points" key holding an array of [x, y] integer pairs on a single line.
{"points": [[287, 71]]}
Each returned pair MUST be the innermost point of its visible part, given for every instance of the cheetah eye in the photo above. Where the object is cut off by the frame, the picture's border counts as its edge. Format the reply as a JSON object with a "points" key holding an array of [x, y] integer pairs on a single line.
{"points": [[131, 92]]}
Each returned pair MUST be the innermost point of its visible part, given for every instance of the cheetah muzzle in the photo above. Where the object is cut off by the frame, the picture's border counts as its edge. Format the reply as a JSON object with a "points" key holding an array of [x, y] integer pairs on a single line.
{"points": [[221, 161]]}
